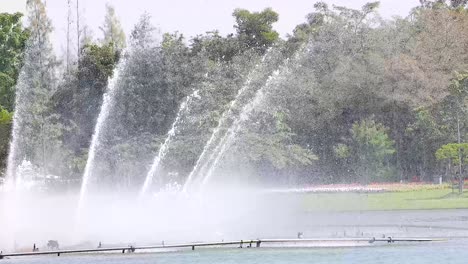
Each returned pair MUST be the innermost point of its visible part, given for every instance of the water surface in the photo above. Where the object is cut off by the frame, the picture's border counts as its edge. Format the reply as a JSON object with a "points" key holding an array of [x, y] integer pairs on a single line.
{"points": [[454, 251]]}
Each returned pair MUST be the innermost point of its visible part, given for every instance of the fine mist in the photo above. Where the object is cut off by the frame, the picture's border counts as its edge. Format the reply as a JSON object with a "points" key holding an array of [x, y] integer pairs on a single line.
{"points": [[122, 218]]}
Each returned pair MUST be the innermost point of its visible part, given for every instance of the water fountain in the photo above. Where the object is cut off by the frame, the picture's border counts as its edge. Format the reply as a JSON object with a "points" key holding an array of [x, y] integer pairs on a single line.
{"points": [[108, 101], [198, 165], [253, 82], [165, 145], [36, 84], [230, 132], [228, 139], [53, 211]]}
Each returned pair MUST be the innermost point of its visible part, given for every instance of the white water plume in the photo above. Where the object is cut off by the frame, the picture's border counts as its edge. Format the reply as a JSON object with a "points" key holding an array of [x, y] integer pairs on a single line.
{"points": [[107, 104], [207, 155], [228, 138], [165, 145]]}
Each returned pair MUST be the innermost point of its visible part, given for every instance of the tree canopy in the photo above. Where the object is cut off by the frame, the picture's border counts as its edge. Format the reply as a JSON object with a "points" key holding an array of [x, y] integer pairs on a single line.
{"points": [[347, 97]]}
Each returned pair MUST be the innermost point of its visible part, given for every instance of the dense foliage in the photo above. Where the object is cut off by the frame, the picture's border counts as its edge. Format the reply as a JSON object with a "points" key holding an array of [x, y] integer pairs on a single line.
{"points": [[348, 96]]}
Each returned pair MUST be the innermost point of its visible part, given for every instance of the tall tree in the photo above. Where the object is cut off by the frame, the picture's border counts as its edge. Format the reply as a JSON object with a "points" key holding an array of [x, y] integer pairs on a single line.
{"points": [[12, 43], [255, 29], [78, 31], [456, 157], [68, 35], [112, 30], [459, 94], [155, 76]]}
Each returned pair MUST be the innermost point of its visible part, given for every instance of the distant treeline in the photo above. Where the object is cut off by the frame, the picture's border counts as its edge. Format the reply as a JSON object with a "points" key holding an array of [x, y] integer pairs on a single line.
{"points": [[357, 98]]}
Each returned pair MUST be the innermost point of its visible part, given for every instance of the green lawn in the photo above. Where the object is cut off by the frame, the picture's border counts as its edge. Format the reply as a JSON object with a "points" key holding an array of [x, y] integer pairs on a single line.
{"points": [[404, 200]]}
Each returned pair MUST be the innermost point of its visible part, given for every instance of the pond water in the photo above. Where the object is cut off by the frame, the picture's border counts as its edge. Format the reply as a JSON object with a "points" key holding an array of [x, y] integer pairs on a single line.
{"points": [[453, 251]]}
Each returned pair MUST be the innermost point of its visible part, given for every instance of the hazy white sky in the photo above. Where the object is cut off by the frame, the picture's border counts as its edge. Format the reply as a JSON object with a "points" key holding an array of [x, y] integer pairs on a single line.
{"points": [[192, 17]]}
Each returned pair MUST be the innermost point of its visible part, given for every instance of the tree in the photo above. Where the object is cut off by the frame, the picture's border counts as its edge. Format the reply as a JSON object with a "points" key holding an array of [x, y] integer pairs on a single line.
{"points": [[442, 3], [35, 131], [12, 43], [6, 119], [78, 31], [112, 30], [459, 90], [421, 57], [458, 95], [140, 111], [458, 3], [68, 36], [434, 52], [337, 80], [371, 149], [216, 47], [311, 27], [269, 145], [154, 78], [319, 88], [254, 29], [79, 96], [364, 65], [13, 39], [177, 72], [456, 157], [77, 101], [423, 137]]}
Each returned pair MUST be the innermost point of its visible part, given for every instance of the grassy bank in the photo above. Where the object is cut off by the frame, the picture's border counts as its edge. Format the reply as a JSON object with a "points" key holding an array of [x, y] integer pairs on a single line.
{"points": [[395, 200]]}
